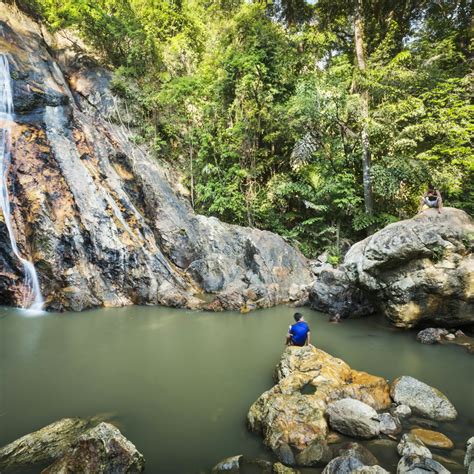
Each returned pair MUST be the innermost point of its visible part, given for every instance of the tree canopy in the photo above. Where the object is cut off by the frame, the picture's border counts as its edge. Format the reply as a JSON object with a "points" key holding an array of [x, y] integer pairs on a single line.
{"points": [[283, 115]]}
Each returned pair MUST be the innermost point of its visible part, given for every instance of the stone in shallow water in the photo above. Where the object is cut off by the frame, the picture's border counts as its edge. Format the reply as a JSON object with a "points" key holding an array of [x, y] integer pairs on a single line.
{"points": [[343, 465], [316, 454], [431, 335], [360, 452], [433, 439], [100, 450], [353, 418], [411, 445], [279, 468], [422, 399], [389, 425], [231, 464], [370, 470], [419, 465]]}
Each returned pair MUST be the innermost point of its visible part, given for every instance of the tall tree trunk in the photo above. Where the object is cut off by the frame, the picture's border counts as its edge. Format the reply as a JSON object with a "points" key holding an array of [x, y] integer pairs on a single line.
{"points": [[364, 97]]}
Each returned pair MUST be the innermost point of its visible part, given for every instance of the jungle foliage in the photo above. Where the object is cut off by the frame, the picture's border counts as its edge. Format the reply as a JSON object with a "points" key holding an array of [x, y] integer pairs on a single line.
{"points": [[260, 104]]}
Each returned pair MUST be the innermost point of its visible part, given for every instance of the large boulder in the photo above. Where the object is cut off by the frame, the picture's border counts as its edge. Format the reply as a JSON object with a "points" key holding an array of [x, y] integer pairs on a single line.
{"points": [[353, 418], [422, 399], [100, 450], [416, 271], [419, 269], [293, 419], [104, 223]]}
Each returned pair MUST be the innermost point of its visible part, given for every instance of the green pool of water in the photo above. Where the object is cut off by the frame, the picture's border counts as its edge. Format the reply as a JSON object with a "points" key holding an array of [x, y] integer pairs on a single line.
{"points": [[179, 383]]}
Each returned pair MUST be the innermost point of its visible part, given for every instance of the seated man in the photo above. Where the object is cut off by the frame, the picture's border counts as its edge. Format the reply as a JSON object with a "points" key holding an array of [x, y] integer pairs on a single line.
{"points": [[432, 198], [299, 333]]}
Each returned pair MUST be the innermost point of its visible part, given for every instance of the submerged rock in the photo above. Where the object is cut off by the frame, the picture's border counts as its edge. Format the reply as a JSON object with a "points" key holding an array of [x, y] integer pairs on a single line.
{"points": [[418, 465], [353, 418], [433, 439], [292, 422], [360, 452], [47, 444], [231, 464], [100, 450], [241, 464], [423, 399]]}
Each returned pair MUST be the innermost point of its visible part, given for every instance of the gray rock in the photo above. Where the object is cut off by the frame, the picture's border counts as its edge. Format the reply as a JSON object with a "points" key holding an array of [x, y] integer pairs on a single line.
{"points": [[231, 464], [360, 452], [450, 337], [47, 444], [469, 457], [284, 454], [389, 425], [419, 465], [411, 445], [413, 271], [402, 411], [100, 450], [342, 465], [353, 418], [422, 399], [279, 468], [316, 454], [431, 335]]}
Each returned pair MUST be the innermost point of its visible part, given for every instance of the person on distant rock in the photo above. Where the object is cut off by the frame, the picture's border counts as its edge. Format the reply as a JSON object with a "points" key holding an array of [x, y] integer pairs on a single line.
{"points": [[432, 198], [298, 333]]}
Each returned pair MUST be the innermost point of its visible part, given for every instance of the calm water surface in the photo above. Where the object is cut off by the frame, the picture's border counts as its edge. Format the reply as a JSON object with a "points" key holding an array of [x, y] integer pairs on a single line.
{"points": [[179, 383]]}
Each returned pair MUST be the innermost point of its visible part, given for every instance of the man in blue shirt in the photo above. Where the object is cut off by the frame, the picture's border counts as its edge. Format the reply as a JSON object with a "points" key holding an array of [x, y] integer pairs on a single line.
{"points": [[299, 333]]}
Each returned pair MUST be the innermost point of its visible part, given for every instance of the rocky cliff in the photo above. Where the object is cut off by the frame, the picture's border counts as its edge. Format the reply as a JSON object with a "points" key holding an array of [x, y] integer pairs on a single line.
{"points": [[96, 214], [417, 271]]}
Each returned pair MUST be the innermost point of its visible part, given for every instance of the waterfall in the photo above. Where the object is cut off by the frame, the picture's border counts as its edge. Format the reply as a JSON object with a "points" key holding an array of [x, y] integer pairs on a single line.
{"points": [[33, 299]]}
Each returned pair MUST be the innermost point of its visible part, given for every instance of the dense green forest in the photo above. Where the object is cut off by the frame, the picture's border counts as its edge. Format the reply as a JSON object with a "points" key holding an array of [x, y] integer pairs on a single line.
{"points": [[320, 120]]}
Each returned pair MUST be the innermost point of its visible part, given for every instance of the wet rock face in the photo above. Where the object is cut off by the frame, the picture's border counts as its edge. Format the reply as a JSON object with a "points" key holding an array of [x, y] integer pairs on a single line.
{"points": [[420, 269], [293, 419], [97, 215]]}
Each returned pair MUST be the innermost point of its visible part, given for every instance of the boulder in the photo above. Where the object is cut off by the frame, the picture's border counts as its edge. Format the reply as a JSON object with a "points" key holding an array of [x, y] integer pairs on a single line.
{"points": [[100, 450], [431, 335], [419, 465], [422, 399], [353, 418], [343, 465], [47, 444], [418, 271], [421, 269], [389, 425], [292, 419], [401, 411], [316, 454], [433, 439], [411, 445]]}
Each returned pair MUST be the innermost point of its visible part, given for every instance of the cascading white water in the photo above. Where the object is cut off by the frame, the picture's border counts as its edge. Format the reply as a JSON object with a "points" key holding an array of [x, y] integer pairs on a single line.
{"points": [[33, 299]]}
